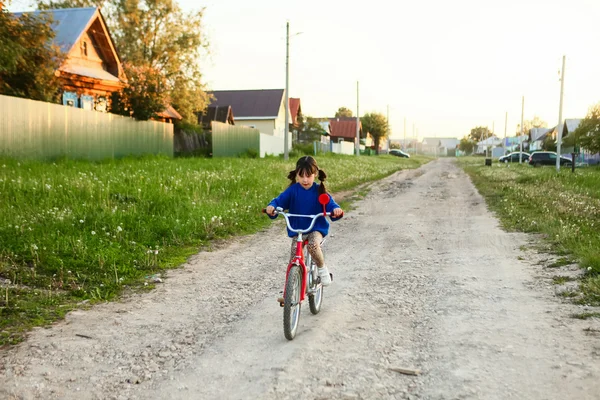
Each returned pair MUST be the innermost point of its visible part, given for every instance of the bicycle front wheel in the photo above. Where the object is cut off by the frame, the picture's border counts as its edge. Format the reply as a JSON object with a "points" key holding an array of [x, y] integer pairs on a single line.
{"points": [[291, 304]]}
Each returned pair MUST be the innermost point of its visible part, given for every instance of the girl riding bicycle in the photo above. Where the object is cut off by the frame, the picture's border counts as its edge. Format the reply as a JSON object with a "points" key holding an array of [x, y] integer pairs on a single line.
{"points": [[301, 197]]}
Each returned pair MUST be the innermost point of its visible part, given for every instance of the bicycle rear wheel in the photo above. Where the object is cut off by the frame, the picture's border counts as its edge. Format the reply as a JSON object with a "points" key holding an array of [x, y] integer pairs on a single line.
{"points": [[291, 304], [315, 299]]}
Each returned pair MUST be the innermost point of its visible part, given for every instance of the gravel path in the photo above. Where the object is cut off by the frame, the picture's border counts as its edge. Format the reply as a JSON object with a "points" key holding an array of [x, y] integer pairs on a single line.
{"points": [[424, 280]]}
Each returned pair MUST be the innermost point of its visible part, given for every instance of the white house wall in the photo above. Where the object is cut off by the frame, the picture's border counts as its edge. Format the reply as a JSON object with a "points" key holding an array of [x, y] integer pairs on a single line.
{"points": [[266, 126]]}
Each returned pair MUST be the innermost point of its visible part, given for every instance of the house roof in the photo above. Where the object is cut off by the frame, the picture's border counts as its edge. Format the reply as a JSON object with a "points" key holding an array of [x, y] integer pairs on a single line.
{"points": [[491, 141], [536, 134], [89, 72], [344, 127], [69, 24], [249, 104], [570, 125], [431, 141], [294, 109], [216, 113], [449, 143], [170, 112]]}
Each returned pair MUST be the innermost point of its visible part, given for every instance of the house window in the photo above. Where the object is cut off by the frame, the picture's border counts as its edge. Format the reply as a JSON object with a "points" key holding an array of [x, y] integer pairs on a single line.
{"points": [[85, 53]]}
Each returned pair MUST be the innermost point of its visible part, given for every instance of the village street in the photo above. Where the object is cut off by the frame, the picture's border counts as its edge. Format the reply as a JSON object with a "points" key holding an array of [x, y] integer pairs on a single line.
{"points": [[424, 280]]}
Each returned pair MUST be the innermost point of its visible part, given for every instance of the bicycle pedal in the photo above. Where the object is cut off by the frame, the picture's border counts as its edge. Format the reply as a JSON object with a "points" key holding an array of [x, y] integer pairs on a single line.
{"points": [[281, 301]]}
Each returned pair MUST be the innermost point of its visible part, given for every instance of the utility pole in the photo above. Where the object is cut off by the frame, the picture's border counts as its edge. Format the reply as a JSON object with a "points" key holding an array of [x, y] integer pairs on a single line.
{"points": [[286, 155], [388, 127], [522, 127], [357, 146], [504, 142], [404, 135], [560, 121]]}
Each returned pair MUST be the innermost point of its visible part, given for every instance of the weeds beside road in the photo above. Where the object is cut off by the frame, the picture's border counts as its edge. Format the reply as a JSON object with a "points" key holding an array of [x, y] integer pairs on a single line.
{"points": [[75, 231], [564, 207]]}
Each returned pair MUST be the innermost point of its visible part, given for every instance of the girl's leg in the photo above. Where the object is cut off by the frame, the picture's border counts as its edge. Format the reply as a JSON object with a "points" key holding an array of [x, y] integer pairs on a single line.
{"points": [[314, 248], [293, 249]]}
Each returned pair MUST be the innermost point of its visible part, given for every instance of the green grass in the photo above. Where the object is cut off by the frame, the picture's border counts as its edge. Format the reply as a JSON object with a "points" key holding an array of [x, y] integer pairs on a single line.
{"points": [[586, 315], [74, 230], [564, 207]]}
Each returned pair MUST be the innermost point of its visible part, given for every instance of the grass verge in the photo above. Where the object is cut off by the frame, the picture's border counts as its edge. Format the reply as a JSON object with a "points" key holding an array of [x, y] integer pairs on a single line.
{"points": [[563, 206]]}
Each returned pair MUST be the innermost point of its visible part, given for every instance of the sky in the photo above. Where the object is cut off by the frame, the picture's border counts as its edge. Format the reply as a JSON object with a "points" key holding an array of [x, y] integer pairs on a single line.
{"points": [[437, 67]]}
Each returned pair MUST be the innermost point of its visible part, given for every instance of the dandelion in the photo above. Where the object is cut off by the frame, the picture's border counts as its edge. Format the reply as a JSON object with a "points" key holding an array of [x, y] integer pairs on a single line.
{"points": [[81, 221], [119, 229], [156, 252], [93, 233]]}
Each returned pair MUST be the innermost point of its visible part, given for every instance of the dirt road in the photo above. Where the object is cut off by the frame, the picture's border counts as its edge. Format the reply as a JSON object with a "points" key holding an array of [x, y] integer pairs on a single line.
{"points": [[424, 280]]}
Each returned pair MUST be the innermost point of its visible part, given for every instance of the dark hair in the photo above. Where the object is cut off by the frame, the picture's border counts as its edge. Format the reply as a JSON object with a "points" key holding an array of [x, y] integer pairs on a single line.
{"points": [[308, 166]]}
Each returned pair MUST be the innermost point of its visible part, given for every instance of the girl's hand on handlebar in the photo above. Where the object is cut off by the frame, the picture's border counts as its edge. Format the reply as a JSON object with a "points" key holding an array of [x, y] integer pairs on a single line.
{"points": [[270, 210], [337, 212]]}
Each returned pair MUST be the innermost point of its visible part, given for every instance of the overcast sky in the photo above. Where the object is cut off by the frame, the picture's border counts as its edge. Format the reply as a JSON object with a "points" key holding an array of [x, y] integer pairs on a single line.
{"points": [[444, 66]]}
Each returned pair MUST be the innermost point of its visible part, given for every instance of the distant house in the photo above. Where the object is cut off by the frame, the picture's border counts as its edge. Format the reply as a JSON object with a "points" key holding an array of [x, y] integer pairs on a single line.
{"points": [[489, 143], [430, 145], [92, 69], [295, 113], [448, 146], [169, 115], [262, 109], [344, 129], [537, 136]]}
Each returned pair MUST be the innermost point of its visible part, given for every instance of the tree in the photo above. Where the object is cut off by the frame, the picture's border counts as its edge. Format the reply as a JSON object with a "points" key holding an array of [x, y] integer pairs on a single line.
{"points": [[480, 133], [377, 125], [343, 112], [144, 96], [312, 130], [28, 60], [587, 134], [157, 36], [549, 143], [466, 145]]}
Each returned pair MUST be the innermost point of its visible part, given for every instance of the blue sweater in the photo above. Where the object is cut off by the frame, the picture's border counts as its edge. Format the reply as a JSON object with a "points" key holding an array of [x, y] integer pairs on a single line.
{"points": [[298, 200]]}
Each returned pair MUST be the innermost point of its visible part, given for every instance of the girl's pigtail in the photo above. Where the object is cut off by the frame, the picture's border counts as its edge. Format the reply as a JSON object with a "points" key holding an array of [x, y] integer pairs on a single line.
{"points": [[292, 177], [322, 176]]}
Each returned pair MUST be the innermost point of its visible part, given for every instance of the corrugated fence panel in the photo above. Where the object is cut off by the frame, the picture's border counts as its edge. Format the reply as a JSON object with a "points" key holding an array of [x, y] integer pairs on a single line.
{"points": [[229, 140], [35, 129]]}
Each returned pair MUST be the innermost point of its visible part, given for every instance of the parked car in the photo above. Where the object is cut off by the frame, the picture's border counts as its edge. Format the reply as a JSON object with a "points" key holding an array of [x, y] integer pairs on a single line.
{"points": [[539, 158], [514, 157], [399, 153]]}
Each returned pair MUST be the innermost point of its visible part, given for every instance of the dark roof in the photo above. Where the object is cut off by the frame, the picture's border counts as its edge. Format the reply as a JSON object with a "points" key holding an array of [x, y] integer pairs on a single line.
{"points": [[344, 127], [69, 24], [216, 113], [250, 103]]}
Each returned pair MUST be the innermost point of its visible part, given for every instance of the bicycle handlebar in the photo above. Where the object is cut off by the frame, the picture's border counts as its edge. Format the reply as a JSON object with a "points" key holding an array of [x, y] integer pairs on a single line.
{"points": [[279, 210]]}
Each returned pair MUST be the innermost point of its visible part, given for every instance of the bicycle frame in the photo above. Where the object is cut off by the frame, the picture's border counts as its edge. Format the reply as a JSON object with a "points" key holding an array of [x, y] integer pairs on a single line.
{"points": [[299, 257]]}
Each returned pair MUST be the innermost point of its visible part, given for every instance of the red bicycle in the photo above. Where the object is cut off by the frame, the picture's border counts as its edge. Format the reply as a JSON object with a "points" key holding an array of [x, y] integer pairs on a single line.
{"points": [[302, 277]]}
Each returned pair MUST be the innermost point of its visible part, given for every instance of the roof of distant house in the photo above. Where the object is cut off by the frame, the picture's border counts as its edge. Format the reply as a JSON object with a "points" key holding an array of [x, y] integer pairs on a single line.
{"points": [[539, 133], [68, 23], [170, 112], [449, 143], [571, 124], [344, 127], [250, 104], [294, 109]]}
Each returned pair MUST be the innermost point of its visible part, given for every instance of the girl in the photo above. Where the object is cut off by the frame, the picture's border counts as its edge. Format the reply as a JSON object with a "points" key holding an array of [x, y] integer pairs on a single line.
{"points": [[302, 197]]}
